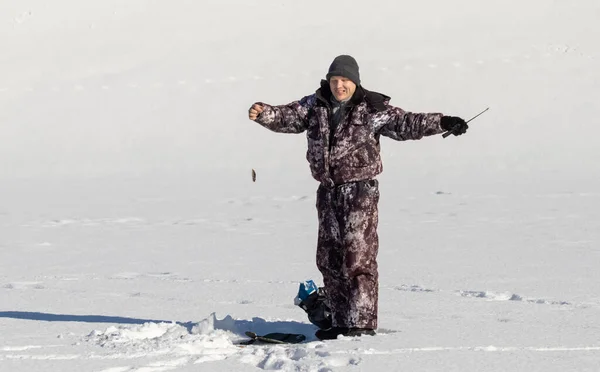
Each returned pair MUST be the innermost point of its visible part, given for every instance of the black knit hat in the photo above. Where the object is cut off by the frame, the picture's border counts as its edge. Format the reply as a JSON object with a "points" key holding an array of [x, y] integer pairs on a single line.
{"points": [[345, 66]]}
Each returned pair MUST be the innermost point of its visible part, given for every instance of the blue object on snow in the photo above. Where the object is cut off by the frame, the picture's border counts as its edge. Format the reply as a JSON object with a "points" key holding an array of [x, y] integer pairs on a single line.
{"points": [[306, 289]]}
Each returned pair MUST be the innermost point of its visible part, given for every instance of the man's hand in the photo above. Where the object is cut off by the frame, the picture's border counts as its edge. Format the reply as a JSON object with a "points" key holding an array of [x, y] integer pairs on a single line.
{"points": [[454, 125], [255, 110]]}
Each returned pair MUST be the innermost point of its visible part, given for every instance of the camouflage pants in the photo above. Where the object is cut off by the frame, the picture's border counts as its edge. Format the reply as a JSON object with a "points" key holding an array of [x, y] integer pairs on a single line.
{"points": [[347, 251]]}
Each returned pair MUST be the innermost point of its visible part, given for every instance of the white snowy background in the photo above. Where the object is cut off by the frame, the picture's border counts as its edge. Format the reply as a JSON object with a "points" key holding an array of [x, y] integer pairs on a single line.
{"points": [[132, 237]]}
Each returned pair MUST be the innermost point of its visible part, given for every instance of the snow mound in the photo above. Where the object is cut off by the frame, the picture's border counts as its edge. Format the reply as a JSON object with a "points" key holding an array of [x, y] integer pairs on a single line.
{"points": [[213, 339], [160, 338]]}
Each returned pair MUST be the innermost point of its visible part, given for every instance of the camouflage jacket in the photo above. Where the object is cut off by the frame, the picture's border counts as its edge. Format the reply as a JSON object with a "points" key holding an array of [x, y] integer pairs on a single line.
{"points": [[352, 152]]}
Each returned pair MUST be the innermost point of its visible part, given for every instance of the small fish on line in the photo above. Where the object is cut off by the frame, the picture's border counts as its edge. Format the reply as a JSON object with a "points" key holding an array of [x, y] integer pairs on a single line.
{"points": [[253, 175]]}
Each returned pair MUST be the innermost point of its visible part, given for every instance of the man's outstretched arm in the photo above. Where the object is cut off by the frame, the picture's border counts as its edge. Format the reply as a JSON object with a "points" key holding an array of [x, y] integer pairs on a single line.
{"points": [[290, 118], [400, 125]]}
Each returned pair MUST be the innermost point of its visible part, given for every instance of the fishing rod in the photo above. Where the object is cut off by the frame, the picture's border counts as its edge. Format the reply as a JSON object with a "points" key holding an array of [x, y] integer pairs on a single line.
{"points": [[474, 117]]}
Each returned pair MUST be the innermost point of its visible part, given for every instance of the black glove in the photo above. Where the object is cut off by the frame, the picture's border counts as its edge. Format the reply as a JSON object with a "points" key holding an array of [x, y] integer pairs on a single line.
{"points": [[454, 125]]}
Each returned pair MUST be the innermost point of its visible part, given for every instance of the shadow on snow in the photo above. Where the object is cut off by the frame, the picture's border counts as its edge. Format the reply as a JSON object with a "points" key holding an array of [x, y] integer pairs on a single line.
{"points": [[237, 326]]}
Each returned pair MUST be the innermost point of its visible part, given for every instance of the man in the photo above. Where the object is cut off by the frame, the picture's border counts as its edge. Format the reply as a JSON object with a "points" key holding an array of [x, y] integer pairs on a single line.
{"points": [[344, 123]]}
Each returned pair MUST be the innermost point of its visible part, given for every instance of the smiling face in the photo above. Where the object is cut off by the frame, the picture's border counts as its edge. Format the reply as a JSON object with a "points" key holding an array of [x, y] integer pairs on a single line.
{"points": [[342, 88]]}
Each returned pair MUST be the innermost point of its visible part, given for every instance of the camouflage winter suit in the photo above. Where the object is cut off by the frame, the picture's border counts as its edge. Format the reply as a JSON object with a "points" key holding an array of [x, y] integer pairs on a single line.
{"points": [[346, 163]]}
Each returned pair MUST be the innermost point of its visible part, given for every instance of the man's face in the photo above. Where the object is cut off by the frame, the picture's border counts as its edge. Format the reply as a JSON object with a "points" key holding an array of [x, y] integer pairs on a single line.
{"points": [[342, 88]]}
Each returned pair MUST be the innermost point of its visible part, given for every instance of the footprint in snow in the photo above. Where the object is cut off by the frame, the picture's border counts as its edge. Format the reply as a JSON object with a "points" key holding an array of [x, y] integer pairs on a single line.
{"points": [[507, 296], [24, 285], [126, 276], [413, 288]]}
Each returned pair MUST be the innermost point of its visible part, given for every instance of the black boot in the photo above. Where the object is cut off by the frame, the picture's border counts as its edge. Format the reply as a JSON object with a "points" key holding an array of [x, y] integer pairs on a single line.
{"points": [[334, 332], [331, 333], [353, 332]]}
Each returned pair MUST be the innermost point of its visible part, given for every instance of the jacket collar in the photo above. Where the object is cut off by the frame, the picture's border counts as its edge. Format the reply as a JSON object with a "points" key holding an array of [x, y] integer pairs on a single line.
{"points": [[374, 100]]}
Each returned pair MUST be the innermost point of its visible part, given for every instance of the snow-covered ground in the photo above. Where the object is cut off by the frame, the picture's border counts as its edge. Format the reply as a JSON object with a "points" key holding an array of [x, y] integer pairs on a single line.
{"points": [[132, 237]]}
